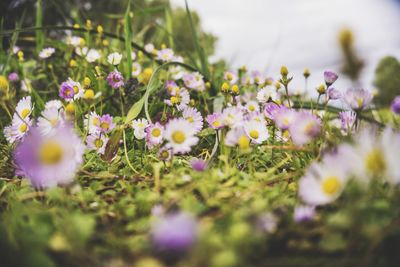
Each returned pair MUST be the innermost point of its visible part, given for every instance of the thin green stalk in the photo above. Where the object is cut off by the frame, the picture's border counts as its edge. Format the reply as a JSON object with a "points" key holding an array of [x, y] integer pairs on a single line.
{"points": [[126, 153]]}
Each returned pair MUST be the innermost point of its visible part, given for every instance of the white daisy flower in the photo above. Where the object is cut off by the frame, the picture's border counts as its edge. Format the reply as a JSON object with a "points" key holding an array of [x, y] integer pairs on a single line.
{"points": [[252, 106], [372, 156], [154, 134], [165, 55], [176, 72], [133, 55], [93, 55], [136, 69], [51, 118], [237, 137], [323, 182], [180, 135], [26, 85], [232, 117], [18, 129], [139, 127], [53, 104], [256, 131], [91, 121], [267, 94], [79, 92], [179, 99], [193, 116], [74, 41], [46, 52], [149, 48], [114, 58], [24, 107], [97, 142]]}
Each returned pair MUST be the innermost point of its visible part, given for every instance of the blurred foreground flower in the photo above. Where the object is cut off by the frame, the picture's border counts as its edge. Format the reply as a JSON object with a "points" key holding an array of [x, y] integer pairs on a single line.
{"points": [[175, 232], [49, 161]]}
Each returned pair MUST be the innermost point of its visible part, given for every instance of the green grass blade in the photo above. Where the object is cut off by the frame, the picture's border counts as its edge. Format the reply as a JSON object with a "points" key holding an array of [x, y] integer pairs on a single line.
{"points": [[38, 24], [199, 49], [128, 39], [169, 26]]}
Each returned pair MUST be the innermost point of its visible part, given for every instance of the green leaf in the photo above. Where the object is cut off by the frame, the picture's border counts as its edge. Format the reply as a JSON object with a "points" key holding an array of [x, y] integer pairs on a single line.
{"points": [[135, 110], [112, 146]]}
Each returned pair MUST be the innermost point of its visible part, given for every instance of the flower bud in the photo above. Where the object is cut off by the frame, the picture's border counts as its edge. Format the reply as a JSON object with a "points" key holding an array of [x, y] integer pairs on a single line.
{"points": [[224, 87], [396, 105], [87, 82], [72, 63], [235, 89], [284, 71], [306, 73], [321, 89], [70, 109], [100, 29], [89, 94], [330, 77]]}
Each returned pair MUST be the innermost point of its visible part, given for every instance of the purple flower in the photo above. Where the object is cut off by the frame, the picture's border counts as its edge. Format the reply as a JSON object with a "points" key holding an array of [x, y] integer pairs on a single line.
{"points": [[305, 127], [115, 79], [348, 118], [358, 99], [330, 77], [67, 91], [334, 94], [215, 120], [270, 109], [13, 77], [174, 232], [105, 124], [396, 105], [172, 87], [198, 164], [303, 213], [49, 161]]}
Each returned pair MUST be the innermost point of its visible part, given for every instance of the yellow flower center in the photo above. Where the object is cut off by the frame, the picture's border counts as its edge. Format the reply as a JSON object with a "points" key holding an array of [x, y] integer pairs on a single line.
{"points": [[98, 143], [164, 154], [360, 102], [53, 122], [23, 128], [25, 112], [95, 121], [375, 162], [331, 185], [175, 99], [178, 137], [50, 153], [104, 125], [243, 142], [216, 124], [254, 134], [190, 119], [286, 121], [252, 108], [89, 94], [76, 89], [156, 132]]}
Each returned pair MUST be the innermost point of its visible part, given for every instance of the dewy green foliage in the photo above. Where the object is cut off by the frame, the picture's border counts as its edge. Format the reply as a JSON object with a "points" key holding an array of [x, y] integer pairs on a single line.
{"points": [[243, 201]]}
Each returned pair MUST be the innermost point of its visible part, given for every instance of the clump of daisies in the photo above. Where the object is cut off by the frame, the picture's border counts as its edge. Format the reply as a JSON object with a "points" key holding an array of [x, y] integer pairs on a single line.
{"points": [[372, 156], [98, 128], [48, 152]]}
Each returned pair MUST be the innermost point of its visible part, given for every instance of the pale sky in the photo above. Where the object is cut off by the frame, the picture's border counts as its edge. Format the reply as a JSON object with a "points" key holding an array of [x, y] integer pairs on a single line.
{"points": [[264, 34]]}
